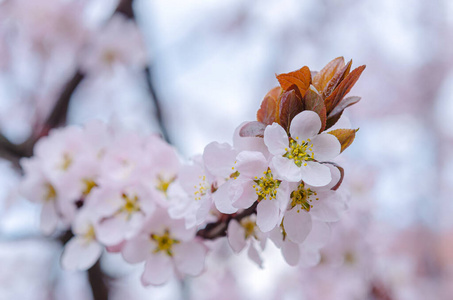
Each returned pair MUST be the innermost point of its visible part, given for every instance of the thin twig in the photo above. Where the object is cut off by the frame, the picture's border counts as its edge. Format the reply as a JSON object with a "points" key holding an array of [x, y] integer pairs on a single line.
{"points": [[156, 102], [219, 228]]}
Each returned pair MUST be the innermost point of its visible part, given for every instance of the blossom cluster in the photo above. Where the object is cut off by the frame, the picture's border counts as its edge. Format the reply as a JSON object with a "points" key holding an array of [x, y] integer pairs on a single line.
{"points": [[135, 195]]}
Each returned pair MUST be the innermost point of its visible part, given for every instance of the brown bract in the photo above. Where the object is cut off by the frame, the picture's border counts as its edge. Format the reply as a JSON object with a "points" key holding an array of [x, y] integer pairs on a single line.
{"points": [[344, 136], [322, 92]]}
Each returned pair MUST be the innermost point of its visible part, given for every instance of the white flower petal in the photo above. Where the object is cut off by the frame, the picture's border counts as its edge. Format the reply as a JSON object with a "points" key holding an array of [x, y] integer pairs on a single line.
{"points": [[276, 139], [190, 176], [138, 249], [305, 125], [328, 207], [158, 269], [297, 223], [251, 163], [286, 169], [223, 200], [111, 231], [336, 176], [325, 147], [248, 143], [236, 236], [189, 257], [319, 234], [315, 174], [276, 236], [219, 158], [203, 209], [254, 255], [248, 196], [291, 253], [267, 215], [80, 254]]}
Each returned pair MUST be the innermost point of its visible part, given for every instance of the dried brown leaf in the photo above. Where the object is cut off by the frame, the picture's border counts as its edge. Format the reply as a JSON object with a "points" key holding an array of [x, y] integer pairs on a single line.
{"points": [[300, 78], [321, 79], [268, 112], [343, 88], [344, 136], [336, 80], [290, 106], [313, 101], [336, 113]]}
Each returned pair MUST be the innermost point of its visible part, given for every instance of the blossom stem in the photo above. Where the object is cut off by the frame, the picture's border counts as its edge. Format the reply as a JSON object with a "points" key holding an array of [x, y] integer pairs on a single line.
{"points": [[219, 228]]}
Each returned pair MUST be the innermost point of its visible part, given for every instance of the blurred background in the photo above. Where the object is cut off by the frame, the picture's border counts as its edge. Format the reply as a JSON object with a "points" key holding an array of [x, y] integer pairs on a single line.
{"points": [[195, 70]]}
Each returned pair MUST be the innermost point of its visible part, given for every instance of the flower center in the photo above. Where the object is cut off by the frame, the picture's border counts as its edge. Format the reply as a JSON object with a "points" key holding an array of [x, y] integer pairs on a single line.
{"points": [[302, 197], [300, 153], [67, 162], [164, 242], [50, 193], [90, 234], [89, 185], [202, 188], [249, 226], [266, 186], [109, 57], [131, 204], [163, 184]]}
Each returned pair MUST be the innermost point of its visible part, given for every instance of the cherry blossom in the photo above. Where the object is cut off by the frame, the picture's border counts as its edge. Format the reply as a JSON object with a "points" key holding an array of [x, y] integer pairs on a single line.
{"points": [[298, 157], [122, 209], [167, 247], [257, 183], [245, 233], [117, 46], [83, 250]]}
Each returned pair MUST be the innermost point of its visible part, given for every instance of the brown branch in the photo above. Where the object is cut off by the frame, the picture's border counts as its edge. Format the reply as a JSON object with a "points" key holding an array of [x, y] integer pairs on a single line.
{"points": [[219, 228], [156, 102], [125, 8], [59, 112]]}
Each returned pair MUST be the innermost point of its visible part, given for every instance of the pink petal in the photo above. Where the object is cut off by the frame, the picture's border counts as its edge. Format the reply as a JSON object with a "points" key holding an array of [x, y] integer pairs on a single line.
{"points": [[248, 196], [111, 231], [328, 207], [251, 163], [325, 147], [158, 269], [189, 257], [315, 174], [203, 210], [319, 234], [223, 200], [297, 223], [276, 236], [80, 254], [267, 215], [248, 143], [291, 253], [190, 176], [305, 125], [254, 255], [286, 169], [138, 249], [219, 158], [180, 232], [276, 139], [236, 236], [336, 175]]}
